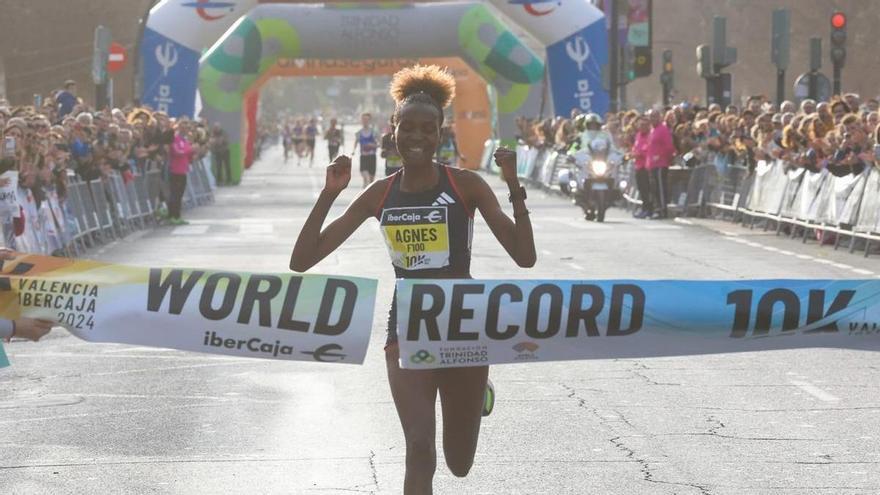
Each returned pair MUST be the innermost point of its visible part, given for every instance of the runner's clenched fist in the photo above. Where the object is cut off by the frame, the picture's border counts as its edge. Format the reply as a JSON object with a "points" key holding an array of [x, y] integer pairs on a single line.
{"points": [[506, 161], [338, 174]]}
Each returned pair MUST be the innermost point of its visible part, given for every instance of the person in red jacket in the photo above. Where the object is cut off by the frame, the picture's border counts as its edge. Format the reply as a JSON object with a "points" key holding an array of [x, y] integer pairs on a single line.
{"points": [[639, 154], [182, 153], [660, 152]]}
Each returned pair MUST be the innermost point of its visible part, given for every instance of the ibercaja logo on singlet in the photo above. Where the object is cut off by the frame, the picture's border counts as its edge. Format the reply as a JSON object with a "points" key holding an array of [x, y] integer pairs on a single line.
{"points": [[417, 236]]}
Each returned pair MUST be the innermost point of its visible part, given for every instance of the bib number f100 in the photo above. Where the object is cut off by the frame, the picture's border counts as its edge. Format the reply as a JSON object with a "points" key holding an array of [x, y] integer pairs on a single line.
{"points": [[417, 237]]}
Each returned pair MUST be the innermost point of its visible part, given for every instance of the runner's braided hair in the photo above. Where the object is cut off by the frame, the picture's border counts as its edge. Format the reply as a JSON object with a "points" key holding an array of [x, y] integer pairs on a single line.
{"points": [[427, 84]]}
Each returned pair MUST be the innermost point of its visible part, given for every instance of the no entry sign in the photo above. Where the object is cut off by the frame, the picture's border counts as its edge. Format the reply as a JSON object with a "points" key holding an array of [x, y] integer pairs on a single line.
{"points": [[117, 57]]}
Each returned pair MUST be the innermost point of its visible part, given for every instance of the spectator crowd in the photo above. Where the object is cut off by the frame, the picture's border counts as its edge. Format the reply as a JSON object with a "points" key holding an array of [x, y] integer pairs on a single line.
{"points": [[60, 139], [840, 136]]}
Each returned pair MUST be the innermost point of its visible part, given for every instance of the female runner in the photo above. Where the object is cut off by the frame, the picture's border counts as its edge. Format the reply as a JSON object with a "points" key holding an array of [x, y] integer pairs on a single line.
{"points": [[421, 93]]}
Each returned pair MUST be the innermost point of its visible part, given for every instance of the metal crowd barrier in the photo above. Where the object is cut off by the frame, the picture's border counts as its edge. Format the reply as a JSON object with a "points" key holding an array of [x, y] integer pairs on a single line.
{"points": [[687, 195], [798, 202], [101, 210], [775, 194]]}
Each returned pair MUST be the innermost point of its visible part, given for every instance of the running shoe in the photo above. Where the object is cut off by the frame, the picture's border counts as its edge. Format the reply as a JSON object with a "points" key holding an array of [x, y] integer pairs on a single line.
{"points": [[489, 398]]}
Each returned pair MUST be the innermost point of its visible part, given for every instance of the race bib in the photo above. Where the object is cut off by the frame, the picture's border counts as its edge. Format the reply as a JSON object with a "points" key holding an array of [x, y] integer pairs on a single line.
{"points": [[417, 236]]}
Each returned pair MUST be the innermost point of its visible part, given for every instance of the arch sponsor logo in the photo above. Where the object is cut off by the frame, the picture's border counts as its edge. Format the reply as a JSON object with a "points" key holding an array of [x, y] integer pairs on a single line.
{"points": [[166, 57], [579, 51], [210, 10], [538, 8], [575, 65]]}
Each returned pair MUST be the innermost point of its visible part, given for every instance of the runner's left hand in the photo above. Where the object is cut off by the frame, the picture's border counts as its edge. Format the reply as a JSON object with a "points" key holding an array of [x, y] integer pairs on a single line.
{"points": [[506, 161], [7, 254]]}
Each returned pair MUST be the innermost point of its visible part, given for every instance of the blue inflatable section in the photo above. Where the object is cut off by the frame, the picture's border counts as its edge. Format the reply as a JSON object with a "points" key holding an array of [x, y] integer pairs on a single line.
{"points": [[170, 74], [575, 68]]}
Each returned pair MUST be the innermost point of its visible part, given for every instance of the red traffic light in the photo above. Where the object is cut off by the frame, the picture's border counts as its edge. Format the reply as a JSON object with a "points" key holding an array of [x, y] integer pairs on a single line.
{"points": [[838, 20]]}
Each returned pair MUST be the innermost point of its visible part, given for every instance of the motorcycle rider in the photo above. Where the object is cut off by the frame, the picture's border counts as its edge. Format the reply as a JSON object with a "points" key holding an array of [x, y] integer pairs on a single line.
{"points": [[590, 127], [595, 146], [592, 138]]}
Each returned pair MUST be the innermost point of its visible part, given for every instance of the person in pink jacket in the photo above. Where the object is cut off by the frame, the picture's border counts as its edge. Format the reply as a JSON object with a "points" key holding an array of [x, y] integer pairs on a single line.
{"points": [[639, 154], [660, 149], [182, 153]]}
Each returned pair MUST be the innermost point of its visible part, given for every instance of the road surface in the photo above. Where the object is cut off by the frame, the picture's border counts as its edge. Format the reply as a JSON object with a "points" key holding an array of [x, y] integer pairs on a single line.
{"points": [[78, 417]]}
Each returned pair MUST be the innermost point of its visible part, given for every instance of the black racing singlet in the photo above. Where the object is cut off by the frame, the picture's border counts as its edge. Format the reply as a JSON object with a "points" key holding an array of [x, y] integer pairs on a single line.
{"points": [[428, 233]]}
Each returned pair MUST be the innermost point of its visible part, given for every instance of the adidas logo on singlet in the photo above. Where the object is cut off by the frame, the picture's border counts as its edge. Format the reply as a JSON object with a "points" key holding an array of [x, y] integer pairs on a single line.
{"points": [[444, 199]]}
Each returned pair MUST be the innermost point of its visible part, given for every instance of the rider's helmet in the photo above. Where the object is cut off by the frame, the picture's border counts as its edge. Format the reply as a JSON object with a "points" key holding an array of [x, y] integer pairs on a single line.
{"points": [[592, 121]]}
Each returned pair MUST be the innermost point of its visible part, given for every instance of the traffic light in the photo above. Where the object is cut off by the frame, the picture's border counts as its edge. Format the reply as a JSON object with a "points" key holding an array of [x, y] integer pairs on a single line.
{"points": [[642, 61], [629, 72], [704, 61], [667, 61], [667, 77], [780, 37], [838, 38]]}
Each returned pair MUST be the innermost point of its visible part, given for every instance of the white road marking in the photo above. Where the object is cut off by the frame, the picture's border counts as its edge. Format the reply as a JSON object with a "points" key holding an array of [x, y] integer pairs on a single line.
{"points": [[814, 391], [842, 266], [190, 230], [576, 267], [239, 196], [256, 228], [662, 227], [546, 252], [683, 221]]}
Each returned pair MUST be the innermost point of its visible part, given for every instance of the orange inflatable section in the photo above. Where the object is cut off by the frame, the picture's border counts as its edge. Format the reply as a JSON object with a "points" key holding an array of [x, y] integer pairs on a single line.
{"points": [[473, 124]]}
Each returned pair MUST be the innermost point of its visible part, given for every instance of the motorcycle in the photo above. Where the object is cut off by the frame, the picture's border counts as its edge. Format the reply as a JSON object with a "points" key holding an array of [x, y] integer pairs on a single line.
{"points": [[591, 178]]}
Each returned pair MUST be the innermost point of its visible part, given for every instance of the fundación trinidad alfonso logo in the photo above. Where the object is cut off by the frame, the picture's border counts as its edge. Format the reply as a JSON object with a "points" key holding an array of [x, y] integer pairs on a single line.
{"points": [[538, 8], [423, 356], [208, 9]]}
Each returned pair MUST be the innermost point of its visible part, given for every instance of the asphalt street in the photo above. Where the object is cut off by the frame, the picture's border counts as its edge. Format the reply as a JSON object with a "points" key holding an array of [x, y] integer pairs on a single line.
{"points": [[78, 417]]}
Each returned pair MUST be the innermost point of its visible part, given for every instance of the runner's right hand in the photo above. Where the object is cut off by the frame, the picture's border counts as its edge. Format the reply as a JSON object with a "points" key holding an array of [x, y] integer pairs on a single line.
{"points": [[338, 174], [32, 328]]}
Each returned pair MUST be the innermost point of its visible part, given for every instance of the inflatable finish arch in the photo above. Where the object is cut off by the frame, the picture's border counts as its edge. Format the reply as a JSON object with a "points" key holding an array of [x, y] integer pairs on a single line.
{"points": [[178, 31], [270, 32], [471, 111]]}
